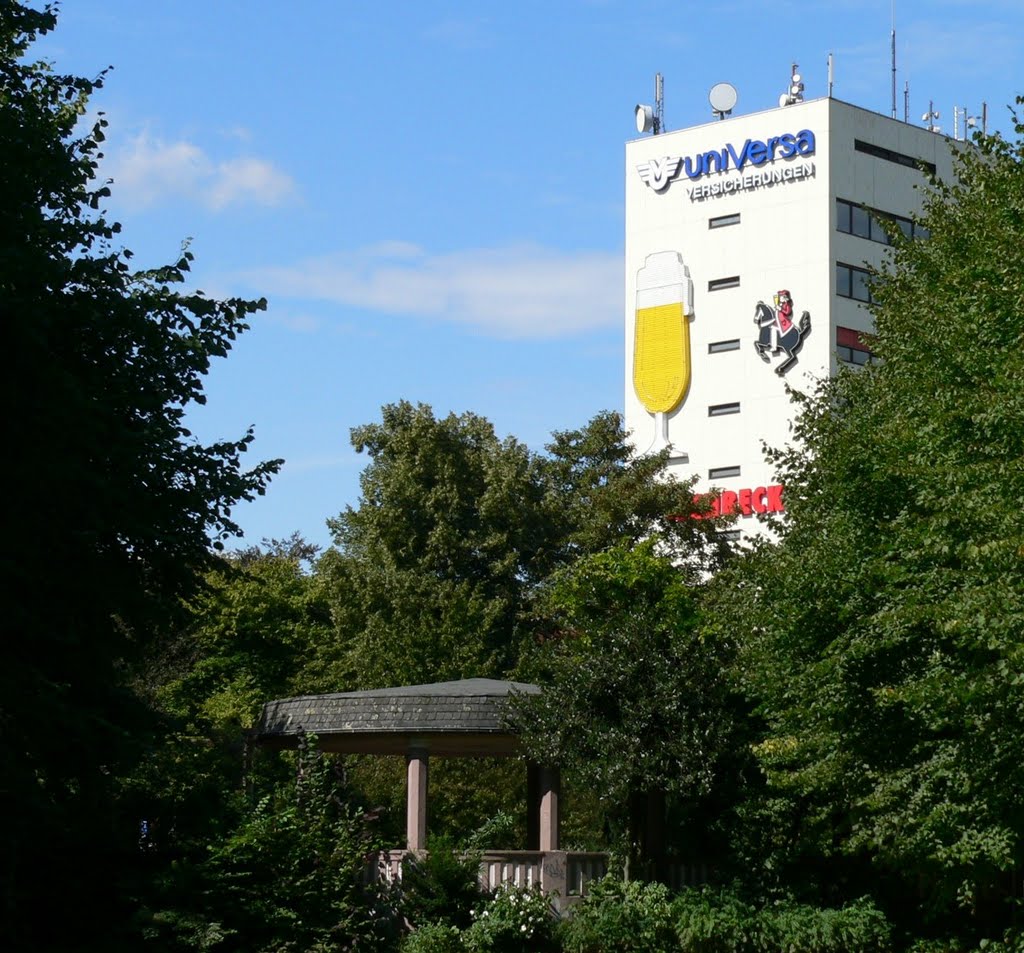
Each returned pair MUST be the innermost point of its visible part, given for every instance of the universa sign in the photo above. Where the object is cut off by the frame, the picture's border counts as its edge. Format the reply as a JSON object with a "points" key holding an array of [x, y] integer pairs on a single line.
{"points": [[659, 174]]}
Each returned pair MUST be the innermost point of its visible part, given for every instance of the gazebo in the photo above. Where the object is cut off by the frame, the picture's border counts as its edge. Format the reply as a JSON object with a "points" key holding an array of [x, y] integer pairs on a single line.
{"points": [[460, 719]]}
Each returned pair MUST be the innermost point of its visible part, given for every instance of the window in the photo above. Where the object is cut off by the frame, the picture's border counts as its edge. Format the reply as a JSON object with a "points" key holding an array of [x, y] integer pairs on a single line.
{"points": [[852, 282], [730, 535], [854, 219], [722, 410], [852, 347], [718, 284], [721, 473], [717, 347], [880, 152], [723, 220]]}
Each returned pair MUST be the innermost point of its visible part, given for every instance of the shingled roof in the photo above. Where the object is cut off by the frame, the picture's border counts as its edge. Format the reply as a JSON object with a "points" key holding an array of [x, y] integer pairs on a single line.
{"points": [[445, 718]]}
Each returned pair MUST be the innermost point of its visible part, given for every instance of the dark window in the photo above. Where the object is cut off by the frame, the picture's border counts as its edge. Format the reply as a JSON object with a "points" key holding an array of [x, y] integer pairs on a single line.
{"points": [[717, 347], [730, 535], [870, 223], [723, 220], [720, 410], [720, 473], [718, 284], [853, 347], [880, 152], [852, 282], [860, 221]]}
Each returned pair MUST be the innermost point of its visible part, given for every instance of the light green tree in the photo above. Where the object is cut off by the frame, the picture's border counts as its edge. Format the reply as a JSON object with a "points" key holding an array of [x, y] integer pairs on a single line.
{"points": [[884, 631]]}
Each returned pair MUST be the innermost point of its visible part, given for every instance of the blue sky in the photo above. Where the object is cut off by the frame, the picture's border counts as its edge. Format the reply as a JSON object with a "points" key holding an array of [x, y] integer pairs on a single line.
{"points": [[430, 193]]}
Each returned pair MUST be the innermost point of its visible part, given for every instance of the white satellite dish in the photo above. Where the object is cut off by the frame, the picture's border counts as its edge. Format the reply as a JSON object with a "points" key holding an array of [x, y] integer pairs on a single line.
{"points": [[722, 97], [644, 118]]}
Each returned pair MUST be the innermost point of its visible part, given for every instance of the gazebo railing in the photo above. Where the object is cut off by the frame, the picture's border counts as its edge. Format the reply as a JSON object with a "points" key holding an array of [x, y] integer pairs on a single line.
{"points": [[565, 872]]}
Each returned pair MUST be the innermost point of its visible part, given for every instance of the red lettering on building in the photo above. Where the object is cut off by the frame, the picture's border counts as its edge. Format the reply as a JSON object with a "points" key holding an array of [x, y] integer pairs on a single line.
{"points": [[763, 499]]}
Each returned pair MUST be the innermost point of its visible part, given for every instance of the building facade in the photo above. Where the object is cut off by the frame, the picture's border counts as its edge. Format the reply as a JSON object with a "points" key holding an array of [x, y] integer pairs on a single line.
{"points": [[748, 244]]}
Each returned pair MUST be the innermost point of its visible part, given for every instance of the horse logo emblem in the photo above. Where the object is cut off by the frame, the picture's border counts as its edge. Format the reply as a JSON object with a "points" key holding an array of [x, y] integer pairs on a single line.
{"points": [[779, 333]]}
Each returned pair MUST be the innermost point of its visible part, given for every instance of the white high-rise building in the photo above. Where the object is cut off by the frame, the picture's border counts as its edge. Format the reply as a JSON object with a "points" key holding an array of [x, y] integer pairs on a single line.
{"points": [[747, 246]]}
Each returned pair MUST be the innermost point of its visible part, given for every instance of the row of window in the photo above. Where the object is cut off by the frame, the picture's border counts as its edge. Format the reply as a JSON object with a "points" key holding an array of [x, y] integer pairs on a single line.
{"points": [[869, 223], [851, 282], [891, 155]]}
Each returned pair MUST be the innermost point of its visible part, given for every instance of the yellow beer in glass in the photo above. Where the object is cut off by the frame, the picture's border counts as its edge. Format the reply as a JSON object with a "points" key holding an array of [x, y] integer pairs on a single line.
{"points": [[661, 343]]}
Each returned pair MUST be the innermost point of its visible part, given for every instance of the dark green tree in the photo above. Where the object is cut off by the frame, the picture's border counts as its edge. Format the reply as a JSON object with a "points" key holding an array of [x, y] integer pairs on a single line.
{"points": [[113, 505], [437, 569], [884, 631], [636, 705]]}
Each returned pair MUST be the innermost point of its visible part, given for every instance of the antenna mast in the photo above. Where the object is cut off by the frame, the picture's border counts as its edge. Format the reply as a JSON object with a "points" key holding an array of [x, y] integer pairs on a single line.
{"points": [[830, 76], [892, 43], [659, 103]]}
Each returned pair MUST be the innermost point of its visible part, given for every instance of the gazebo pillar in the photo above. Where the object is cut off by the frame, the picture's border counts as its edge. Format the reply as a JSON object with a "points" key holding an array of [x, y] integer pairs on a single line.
{"points": [[416, 799], [550, 792]]}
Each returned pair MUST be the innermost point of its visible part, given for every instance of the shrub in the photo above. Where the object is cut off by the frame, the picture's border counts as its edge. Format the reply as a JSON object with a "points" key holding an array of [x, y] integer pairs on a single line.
{"points": [[618, 917], [514, 920], [440, 886], [434, 938]]}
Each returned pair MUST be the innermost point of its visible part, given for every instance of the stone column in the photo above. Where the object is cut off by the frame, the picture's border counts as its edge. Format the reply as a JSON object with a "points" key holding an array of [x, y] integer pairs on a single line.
{"points": [[416, 799], [532, 806], [550, 790]]}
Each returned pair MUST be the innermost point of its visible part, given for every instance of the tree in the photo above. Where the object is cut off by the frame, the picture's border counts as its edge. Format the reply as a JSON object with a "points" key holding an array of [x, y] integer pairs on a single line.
{"points": [[635, 703], [884, 631], [437, 569], [114, 505]]}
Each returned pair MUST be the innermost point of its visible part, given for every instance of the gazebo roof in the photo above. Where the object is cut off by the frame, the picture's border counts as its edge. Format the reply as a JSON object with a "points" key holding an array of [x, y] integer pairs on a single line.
{"points": [[461, 718]]}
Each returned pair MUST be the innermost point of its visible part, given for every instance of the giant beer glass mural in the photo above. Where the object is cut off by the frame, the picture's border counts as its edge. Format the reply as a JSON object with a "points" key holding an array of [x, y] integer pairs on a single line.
{"points": [[661, 343]]}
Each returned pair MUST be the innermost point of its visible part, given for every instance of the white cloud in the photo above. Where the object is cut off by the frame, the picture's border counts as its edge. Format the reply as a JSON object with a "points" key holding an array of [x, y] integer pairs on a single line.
{"points": [[149, 171], [523, 291]]}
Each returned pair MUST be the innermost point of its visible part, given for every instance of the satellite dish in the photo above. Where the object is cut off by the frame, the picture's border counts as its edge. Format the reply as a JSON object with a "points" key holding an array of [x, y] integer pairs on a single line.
{"points": [[644, 118], [784, 99], [722, 97]]}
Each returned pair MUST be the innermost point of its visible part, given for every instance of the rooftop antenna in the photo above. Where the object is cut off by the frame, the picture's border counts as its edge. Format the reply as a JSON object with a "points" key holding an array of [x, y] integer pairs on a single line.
{"points": [[795, 92], [929, 116], [892, 44], [984, 119], [906, 101], [722, 97], [652, 118], [830, 75]]}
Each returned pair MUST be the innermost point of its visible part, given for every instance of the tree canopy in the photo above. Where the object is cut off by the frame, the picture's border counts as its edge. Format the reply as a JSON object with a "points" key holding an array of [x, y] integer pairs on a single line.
{"points": [[884, 630], [114, 506]]}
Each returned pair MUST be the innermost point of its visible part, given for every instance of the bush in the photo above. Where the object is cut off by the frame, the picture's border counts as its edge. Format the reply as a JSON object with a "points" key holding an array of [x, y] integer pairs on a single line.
{"points": [[618, 917], [441, 886], [717, 921], [859, 926], [434, 938], [514, 920]]}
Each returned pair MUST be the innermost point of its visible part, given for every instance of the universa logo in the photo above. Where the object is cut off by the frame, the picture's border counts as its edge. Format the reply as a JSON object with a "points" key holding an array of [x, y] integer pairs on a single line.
{"points": [[660, 173]]}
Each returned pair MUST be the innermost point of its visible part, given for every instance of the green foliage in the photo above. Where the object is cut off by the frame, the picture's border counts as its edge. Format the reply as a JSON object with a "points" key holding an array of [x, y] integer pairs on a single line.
{"points": [[434, 938], [116, 503], [622, 917], [635, 698], [441, 886], [435, 571], [883, 632], [619, 916], [291, 875]]}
